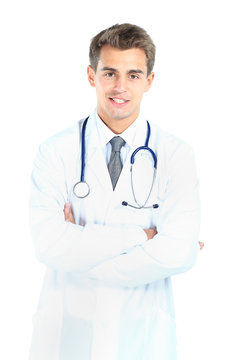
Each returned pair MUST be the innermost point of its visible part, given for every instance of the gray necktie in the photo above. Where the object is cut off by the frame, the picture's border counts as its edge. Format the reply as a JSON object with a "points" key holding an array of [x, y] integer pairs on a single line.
{"points": [[115, 163]]}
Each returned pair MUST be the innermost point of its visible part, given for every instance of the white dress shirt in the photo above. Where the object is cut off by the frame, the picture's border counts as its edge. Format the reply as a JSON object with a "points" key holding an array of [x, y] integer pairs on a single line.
{"points": [[105, 135]]}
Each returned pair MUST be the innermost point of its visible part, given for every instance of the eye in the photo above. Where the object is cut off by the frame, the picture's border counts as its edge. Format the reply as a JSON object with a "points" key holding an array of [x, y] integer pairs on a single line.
{"points": [[134, 76], [109, 75]]}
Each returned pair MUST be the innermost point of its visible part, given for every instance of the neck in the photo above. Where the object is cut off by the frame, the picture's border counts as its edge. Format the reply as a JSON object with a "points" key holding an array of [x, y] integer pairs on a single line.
{"points": [[118, 126]]}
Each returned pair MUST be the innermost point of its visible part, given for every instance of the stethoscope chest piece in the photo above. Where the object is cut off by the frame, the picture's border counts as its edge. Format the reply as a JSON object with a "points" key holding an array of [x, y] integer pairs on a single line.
{"points": [[81, 189]]}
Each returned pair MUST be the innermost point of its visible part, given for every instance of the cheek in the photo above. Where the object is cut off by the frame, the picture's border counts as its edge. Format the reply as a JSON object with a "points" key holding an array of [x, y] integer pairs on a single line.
{"points": [[138, 95], [102, 88]]}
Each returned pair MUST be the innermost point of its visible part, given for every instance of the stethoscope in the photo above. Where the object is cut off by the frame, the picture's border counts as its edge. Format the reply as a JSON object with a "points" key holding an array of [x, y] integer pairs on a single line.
{"points": [[81, 189]]}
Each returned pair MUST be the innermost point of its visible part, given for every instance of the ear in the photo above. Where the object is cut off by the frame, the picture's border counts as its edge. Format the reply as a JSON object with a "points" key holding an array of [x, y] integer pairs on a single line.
{"points": [[150, 79], [91, 75]]}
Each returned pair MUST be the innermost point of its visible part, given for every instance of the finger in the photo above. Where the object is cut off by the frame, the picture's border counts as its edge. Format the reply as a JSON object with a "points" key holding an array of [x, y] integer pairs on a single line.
{"points": [[71, 216], [67, 212], [201, 245]]}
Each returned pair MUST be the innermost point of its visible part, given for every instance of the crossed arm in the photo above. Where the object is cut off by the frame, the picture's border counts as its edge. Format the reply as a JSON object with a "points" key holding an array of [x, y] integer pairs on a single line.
{"points": [[69, 217], [120, 255]]}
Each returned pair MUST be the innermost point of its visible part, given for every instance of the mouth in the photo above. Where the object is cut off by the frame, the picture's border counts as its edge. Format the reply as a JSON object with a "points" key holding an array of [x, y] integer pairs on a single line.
{"points": [[118, 101]]}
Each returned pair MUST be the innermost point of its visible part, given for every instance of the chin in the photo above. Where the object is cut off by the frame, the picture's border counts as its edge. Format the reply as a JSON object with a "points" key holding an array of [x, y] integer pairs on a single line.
{"points": [[122, 116]]}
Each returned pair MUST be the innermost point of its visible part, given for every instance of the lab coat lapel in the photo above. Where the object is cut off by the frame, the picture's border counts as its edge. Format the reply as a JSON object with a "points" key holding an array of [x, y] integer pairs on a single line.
{"points": [[95, 161]]}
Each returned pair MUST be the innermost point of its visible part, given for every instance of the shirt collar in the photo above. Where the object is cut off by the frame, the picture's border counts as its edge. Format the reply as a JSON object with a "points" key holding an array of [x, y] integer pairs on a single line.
{"points": [[105, 134]]}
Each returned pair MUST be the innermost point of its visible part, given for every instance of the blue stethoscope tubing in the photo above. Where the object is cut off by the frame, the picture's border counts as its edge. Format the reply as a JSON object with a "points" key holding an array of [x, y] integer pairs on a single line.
{"points": [[81, 188], [145, 147], [83, 150]]}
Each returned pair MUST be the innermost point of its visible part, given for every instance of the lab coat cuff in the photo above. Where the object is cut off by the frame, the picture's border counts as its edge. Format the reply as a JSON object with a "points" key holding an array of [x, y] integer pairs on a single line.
{"points": [[136, 236]]}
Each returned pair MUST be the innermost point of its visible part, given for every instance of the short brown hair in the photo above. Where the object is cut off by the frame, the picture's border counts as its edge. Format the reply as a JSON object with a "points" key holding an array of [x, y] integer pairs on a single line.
{"points": [[123, 36]]}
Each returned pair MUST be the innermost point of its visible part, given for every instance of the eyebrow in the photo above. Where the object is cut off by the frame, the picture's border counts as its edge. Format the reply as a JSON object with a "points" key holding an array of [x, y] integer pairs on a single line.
{"points": [[132, 71], [106, 68]]}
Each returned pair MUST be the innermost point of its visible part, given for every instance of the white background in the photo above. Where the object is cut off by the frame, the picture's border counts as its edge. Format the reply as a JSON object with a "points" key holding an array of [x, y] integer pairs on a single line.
{"points": [[44, 89]]}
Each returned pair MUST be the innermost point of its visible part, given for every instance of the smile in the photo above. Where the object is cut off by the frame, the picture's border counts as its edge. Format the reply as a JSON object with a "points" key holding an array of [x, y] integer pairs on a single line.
{"points": [[118, 101]]}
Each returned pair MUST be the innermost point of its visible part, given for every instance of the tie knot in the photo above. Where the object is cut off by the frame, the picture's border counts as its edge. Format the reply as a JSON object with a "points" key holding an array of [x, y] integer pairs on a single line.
{"points": [[117, 142]]}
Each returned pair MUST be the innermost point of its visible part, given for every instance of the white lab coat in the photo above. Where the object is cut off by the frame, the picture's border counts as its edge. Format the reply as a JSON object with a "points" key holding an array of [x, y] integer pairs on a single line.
{"points": [[107, 291]]}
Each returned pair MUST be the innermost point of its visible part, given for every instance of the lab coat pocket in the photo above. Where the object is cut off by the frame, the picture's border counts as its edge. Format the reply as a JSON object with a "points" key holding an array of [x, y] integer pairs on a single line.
{"points": [[162, 339], [47, 323], [46, 337]]}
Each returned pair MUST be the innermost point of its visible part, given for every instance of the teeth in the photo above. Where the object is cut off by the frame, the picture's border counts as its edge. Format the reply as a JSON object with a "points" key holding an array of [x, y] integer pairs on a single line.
{"points": [[119, 101]]}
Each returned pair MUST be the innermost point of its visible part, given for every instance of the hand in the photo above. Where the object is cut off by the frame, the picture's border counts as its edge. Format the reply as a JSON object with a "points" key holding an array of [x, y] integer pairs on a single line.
{"points": [[201, 245], [68, 213], [150, 233]]}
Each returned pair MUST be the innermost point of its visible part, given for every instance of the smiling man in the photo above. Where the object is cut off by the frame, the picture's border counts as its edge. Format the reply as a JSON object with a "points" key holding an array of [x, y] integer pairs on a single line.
{"points": [[120, 78], [114, 214]]}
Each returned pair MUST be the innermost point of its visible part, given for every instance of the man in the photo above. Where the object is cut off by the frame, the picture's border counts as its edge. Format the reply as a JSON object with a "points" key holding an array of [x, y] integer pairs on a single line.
{"points": [[107, 291]]}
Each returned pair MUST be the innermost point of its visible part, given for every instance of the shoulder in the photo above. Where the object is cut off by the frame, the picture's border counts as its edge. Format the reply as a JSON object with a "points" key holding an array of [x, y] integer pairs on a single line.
{"points": [[63, 141], [175, 157], [64, 136], [167, 144]]}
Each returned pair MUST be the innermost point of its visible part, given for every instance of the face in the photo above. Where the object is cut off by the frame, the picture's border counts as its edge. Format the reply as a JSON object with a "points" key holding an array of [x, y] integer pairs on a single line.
{"points": [[120, 81]]}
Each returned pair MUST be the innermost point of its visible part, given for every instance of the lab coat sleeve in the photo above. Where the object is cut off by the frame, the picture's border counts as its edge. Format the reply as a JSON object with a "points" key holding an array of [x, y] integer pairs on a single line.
{"points": [[62, 245], [175, 248]]}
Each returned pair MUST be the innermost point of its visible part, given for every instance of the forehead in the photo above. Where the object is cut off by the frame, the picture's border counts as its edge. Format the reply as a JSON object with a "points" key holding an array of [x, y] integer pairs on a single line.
{"points": [[133, 58]]}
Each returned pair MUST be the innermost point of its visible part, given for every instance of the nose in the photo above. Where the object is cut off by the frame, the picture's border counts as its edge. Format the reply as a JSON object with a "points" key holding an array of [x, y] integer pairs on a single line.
{"points": [[120, 84]]}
